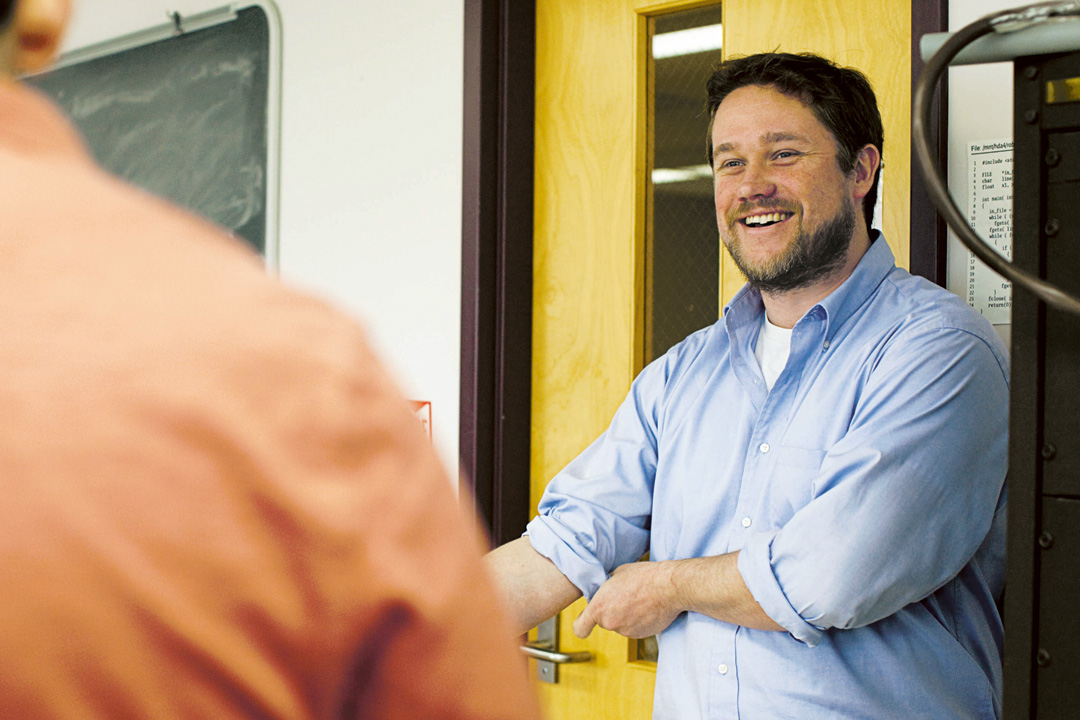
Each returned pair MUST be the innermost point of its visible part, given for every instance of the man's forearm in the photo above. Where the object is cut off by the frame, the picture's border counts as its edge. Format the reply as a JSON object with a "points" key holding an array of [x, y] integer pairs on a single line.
{"points": [[714, 586], [643, 598], [532, 588]]}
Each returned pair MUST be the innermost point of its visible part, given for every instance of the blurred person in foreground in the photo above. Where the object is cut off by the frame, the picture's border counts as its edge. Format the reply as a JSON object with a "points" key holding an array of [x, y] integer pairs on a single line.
{"points": [[214, 502]]}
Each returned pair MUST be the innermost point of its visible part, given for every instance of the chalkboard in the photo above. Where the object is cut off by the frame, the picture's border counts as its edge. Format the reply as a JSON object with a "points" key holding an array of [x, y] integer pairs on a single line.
{"points": [[190, 115]]}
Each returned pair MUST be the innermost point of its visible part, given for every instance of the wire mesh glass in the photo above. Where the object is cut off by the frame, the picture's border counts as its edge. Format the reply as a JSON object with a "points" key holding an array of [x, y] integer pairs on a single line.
{"points": [[683, 248]]}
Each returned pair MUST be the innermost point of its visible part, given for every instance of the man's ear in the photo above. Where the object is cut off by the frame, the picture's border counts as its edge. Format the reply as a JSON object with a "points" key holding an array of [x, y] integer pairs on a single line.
{"points": [[38, 26], [866, 166]]}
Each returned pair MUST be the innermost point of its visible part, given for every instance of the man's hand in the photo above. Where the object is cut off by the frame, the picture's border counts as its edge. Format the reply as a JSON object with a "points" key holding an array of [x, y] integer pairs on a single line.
{"points": [[641, 599], [638, 600]]}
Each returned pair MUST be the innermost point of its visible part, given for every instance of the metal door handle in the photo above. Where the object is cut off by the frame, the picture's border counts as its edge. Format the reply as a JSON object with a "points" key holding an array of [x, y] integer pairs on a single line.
{"points": [[541, 651], [546, 651]]}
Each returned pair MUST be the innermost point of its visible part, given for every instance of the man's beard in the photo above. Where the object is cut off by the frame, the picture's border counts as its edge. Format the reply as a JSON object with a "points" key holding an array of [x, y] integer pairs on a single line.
{"points": [[807, 259]]}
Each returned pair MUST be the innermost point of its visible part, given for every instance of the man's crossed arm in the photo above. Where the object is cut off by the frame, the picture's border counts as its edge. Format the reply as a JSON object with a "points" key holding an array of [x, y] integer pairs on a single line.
{"points": [[638, 600]]}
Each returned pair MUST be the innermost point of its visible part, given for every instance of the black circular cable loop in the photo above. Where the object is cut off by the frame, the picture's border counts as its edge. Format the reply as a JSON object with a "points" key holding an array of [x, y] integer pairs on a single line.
{"points": [[938, 189]]}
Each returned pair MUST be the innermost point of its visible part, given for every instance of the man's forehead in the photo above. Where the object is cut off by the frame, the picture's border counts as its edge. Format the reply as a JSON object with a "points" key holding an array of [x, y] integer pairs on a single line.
{"points": [[761, 116], [756, 96]]}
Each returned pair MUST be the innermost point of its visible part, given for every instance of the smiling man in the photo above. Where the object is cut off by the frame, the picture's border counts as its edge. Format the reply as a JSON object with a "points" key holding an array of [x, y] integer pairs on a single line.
{"points": [[819, 477]]}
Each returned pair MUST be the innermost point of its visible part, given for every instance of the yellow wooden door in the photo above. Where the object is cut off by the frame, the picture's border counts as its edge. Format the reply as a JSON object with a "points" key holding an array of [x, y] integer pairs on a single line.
{"points": [[591, 198]]}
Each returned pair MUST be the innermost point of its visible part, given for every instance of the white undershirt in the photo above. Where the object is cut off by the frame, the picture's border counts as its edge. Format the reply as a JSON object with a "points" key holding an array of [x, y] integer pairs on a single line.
{"points": [[773, 346]]}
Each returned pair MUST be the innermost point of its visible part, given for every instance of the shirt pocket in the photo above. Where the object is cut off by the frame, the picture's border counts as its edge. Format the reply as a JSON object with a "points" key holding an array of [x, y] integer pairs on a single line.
{"points": [[793, 482]]}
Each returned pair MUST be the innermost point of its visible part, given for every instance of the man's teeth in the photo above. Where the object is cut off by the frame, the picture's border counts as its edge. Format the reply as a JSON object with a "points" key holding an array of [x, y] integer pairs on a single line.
{"points": [[765, 219]]}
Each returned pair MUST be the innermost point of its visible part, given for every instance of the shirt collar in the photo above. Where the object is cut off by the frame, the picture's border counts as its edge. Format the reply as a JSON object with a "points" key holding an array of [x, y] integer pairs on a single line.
{"points": [[878, 261], [873, 267]]}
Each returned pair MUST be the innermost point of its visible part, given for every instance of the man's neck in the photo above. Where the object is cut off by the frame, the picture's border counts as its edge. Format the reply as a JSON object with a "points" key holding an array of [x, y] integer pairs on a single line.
{"points": [[784, 309]]}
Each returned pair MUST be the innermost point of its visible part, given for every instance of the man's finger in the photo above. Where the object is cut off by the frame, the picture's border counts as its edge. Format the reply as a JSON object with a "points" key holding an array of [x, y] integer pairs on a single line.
{"points": [[584, 624]]}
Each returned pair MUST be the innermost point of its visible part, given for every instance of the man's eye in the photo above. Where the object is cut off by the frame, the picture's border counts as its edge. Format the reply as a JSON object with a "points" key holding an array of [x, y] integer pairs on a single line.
{"points": [[726, 164], [786, 154]]}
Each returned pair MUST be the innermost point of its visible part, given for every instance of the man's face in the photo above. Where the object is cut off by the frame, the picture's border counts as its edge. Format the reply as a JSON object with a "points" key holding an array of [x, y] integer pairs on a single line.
{"points": [[785, 210]]}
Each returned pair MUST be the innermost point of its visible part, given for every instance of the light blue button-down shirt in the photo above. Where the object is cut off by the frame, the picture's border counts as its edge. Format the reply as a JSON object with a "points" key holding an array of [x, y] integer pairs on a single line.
{"points": [[865, 494]]}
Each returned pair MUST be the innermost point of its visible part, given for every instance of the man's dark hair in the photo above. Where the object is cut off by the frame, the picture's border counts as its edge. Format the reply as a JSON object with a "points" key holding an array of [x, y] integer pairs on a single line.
{"points": [[841, 98], [6, 11]]}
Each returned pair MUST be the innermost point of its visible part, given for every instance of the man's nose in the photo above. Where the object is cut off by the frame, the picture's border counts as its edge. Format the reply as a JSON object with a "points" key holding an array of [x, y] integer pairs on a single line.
{"points": [[755, 184]]}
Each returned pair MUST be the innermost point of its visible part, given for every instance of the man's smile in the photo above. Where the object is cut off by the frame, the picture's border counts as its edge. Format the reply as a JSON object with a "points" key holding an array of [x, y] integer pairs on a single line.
{"points": [[765, 219]]}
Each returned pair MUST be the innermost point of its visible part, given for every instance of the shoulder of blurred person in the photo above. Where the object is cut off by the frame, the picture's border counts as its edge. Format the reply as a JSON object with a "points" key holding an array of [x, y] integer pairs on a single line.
{"points": [[217, 504]]}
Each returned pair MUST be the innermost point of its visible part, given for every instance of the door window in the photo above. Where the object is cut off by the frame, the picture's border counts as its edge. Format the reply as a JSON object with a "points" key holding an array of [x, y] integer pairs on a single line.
{"points": [[682, 266]]}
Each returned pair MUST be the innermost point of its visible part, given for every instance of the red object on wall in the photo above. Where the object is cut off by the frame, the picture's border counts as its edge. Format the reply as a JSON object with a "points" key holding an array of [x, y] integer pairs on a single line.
{"points": [[422, 410]]}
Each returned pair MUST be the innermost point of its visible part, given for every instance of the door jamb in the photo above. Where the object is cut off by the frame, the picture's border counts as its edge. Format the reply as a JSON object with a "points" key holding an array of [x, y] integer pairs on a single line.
{"points": [[497, 263]]}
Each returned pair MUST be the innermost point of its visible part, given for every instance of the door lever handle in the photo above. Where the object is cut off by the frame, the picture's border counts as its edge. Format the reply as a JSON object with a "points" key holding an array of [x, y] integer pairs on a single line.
{"points": [[542, 652], [546, 651]]}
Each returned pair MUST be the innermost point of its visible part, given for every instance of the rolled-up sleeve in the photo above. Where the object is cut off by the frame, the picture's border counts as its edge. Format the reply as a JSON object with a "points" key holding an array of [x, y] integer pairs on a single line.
{"points": [[756, 568], [595, 513], [903, 501]]}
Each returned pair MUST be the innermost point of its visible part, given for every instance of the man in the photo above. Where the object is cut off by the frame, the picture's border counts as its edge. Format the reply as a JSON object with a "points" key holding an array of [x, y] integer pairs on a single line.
{"points": [[818, 478], [214, 505]]}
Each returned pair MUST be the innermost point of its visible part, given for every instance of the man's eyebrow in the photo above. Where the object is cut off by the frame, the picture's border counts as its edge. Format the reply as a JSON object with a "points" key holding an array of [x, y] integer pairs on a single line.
{"points": [[768, 138]]}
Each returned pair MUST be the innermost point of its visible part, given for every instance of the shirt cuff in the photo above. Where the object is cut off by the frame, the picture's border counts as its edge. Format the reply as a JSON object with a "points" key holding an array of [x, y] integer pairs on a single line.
{"points": [[755, 566], [549, 538]]}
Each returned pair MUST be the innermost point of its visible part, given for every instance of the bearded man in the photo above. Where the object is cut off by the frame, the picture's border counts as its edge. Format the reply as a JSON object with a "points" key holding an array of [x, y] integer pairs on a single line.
{"points": [[819, 477]]}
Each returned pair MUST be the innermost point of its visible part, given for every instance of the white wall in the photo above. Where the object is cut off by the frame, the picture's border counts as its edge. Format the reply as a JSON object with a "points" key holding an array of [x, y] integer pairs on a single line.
{"points": [[370, 170]]}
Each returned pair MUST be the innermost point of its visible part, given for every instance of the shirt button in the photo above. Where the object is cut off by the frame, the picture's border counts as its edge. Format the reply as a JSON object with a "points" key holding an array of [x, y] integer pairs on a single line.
{"points": [[746, 522], [764, 447], [723, 669], [825, 345]]}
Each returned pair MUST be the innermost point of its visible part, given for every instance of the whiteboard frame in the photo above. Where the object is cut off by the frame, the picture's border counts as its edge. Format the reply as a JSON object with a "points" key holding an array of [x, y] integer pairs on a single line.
{"points": [[199, 21]]}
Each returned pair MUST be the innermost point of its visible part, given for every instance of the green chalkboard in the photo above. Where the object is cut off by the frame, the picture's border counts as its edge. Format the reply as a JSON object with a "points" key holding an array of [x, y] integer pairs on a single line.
{"points": [[188, 112]]}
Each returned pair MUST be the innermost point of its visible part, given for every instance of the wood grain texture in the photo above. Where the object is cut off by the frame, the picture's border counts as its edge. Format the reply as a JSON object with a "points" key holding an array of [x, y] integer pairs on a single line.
{"points": [[584, 224], [590, 200]]}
